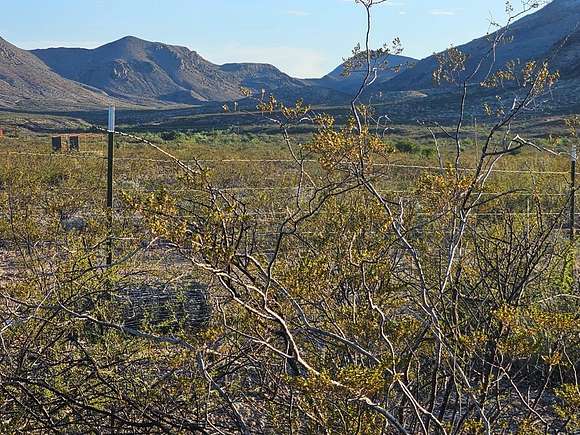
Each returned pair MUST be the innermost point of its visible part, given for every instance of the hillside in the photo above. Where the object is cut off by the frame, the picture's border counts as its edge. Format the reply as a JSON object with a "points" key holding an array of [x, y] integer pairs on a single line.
{"points": [[136, 69], [133, 68], [27, 83], [536, 36], [566, 56]]}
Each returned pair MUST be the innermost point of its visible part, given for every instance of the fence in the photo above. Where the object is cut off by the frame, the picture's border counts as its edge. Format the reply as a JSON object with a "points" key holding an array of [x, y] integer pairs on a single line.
{"points": [[521, 208]]}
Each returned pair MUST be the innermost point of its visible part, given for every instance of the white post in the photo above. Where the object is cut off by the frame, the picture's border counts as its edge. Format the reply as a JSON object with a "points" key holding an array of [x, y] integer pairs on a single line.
{"points": [[111, 127]]}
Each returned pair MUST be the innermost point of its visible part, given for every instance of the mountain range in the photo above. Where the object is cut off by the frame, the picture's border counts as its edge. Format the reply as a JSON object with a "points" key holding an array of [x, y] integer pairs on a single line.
{"points": [[134, 73], [547, 34], [131, 67]]}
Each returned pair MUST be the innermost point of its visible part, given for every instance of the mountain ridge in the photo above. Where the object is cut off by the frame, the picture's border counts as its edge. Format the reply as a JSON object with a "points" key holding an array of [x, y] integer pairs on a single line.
{"points": [[533, 37], [26, 81], [132, 67], [386, 68]]}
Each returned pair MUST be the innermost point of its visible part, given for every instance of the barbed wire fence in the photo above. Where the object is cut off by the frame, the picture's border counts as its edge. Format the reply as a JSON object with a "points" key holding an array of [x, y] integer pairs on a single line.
{"points": [[126, 235], [264, 216]]}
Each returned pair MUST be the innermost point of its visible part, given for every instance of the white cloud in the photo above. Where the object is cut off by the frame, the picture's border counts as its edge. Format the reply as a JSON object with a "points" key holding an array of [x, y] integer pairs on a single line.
{"points": [[296, 13], [31, 45], [442, 12]]}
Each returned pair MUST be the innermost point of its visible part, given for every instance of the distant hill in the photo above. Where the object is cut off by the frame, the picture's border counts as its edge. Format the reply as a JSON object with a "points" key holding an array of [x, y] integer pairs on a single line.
{"points": [[26, 82], [386, 67], [536, 36], [136, 69], [258, 77]]}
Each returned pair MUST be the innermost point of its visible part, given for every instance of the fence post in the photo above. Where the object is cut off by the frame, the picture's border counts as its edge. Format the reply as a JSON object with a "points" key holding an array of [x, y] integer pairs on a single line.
{"points": [[476, 142], [573, 157], [111, 134], [57, 144], [74, 144]]}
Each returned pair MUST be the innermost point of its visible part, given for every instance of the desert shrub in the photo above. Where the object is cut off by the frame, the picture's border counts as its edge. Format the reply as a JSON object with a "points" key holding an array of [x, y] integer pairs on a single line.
{"points": [[407, 146], [172, 135], [198, 138]]}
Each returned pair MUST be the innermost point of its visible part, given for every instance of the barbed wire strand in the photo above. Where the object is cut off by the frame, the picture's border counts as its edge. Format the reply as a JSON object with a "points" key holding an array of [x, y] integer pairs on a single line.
{"points": [[184, 163]]}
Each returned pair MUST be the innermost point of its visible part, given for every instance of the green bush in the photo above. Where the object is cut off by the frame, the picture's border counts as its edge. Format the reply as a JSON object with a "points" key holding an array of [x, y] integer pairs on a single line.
{"points": [[409, 147], [169, 136], [406, 146]]}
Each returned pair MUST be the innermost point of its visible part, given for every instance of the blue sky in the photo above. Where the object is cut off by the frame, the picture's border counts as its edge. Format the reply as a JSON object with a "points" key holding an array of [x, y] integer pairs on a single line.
{"points": [[305, 38]]}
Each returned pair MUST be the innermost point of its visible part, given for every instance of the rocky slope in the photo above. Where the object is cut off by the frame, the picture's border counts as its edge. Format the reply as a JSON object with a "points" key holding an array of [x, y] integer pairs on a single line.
{"points": [[26, 82], [133, 68], [136, 69], [536, 36], [566, 56]]}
